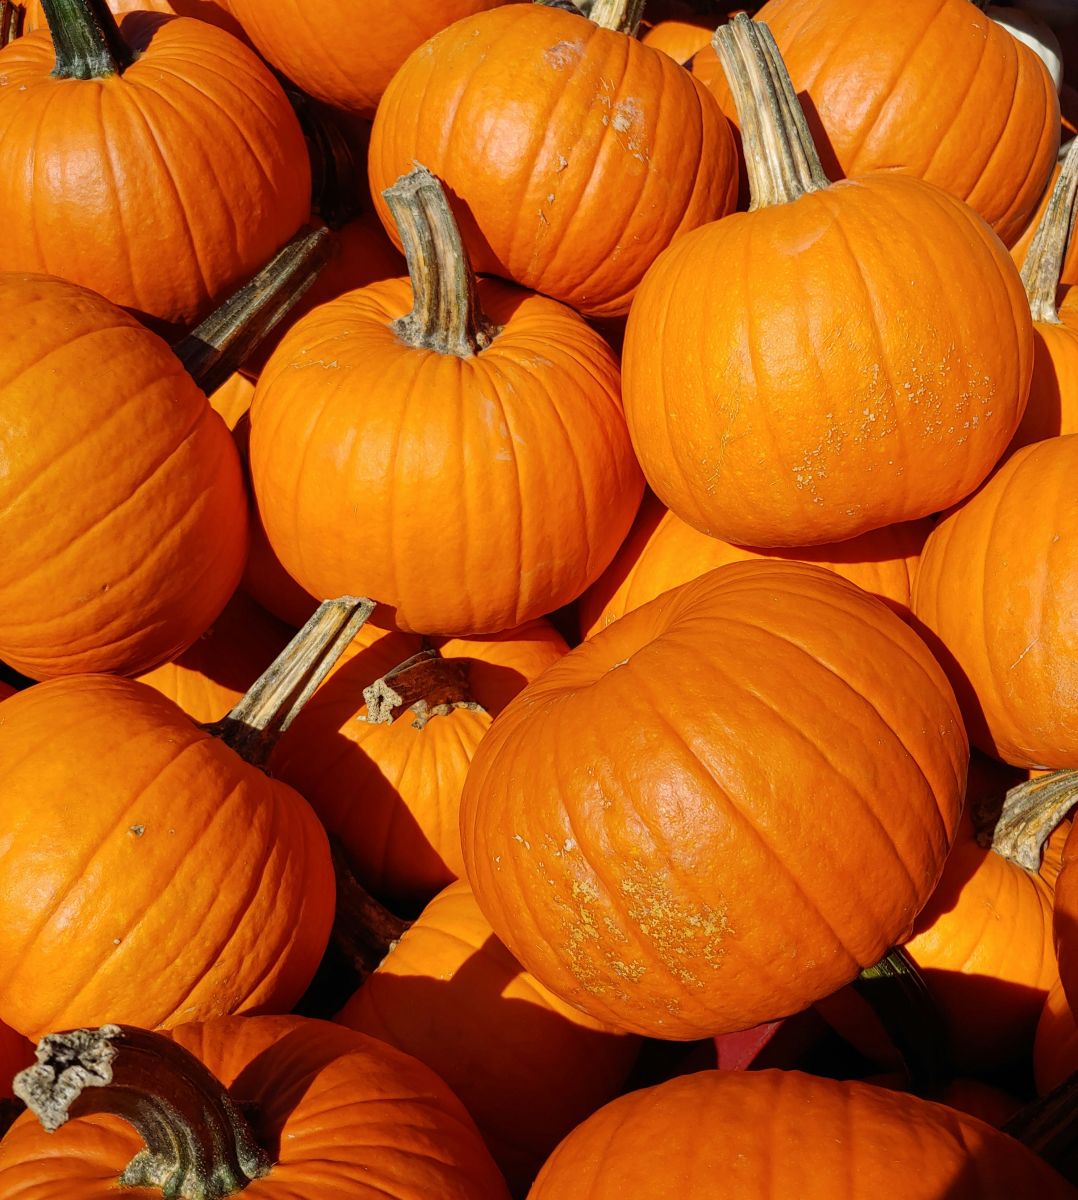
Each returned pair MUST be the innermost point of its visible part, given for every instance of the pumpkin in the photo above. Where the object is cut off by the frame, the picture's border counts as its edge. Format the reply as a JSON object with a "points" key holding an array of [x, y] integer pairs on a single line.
{"points": [[1031, 31], [997, 593], [6, 690], [233, 398], [527, 1066], [311, 1110], [1053, 392], [216, 12], [480, 436], [384, 778], [1020, 249], [344, 52], [754, 1135], [16, 1052], [989, 1104], [641, 824], [211, 677], [147, 871], [133, 572], [752, 419], [945, 94], [1065, 918], [603, 152], [1055, 1051], [661, 551], [168, 164], [679, 39]]}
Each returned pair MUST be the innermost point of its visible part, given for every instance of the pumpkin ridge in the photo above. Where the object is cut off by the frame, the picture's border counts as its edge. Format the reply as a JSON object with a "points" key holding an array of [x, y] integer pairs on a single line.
{"points": [[516, 547]]}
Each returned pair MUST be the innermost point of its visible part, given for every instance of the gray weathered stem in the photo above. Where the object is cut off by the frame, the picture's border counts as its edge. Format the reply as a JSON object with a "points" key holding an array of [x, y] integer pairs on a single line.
{"points": [[623, 16], [1031, 811], [1044, 262]]}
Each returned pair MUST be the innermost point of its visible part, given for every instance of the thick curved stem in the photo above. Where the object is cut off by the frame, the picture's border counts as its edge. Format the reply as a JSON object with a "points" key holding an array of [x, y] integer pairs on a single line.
{"points": [[1049, 1125], [1031, 811], [198, 1145], [445, 312], [1044, 262], [12, 16], [274, 701], [901, 1000], [338, 171], [623, 16], [86, 39], [780, 156], [431, 686], [216, 349]]}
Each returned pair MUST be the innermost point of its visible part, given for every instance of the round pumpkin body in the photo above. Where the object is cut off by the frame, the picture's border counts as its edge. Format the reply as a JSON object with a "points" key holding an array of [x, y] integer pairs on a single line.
{"points": [[345, 52], [391, 792], [944, 94], [661, 552], [207, 680], [1053, 394], [754, 1135], [216, 12], [124, 525], [490, 489], [604, 150], [345, 1116], [638, 828], [233, 398], [1065, 918], [1055, 1050], [162, 188], [679, 39], [755, 423], [148, 875], [527, 1066], [997, 590]]}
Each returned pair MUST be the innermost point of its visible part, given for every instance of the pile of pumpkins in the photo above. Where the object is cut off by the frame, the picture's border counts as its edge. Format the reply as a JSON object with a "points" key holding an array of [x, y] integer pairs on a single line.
{"points": [[538, 599]]}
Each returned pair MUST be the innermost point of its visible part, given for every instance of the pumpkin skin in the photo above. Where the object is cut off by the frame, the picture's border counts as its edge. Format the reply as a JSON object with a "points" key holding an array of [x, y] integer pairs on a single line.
{"points": [[119, 814], [207, 680], [661, 552], [345, 52], [608, 149], [16, 1053], [785, 1133], [632, 883], [391, 793], [181, 177], [347, 1117], [1055, 1051], [1065, 918], [216, 12], [497, 467], [527, 1066], [133, 573], [679, 39], [233, 398], [1053, 393], [997, 592], [945, 95], [757, 425], [6, 690]]}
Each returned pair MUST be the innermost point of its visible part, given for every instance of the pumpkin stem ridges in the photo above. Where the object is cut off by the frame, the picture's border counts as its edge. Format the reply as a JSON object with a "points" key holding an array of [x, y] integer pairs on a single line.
{"points": [[216, 349], [445, 312], [338, 172], [1044, 262], [623, 16], [1031, 811], [11, 19], [431, 686], [273, 702], [1049, 1124], [780, 156], [198, 1143], [86, 39], [901, 1000]]}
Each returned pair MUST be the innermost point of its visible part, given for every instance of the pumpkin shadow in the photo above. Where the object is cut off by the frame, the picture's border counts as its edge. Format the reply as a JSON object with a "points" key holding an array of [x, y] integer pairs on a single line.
{"points": [[970, 705]]}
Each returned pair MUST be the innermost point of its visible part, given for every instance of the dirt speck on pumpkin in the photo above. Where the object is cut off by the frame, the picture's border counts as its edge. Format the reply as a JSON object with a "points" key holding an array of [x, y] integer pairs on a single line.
{"points": [[563, 54]]}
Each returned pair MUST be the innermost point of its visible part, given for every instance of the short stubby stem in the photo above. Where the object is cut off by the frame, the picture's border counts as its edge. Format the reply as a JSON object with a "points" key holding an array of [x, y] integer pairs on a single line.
{"points": [[431, 686], [622, 16], [198, 1144]]}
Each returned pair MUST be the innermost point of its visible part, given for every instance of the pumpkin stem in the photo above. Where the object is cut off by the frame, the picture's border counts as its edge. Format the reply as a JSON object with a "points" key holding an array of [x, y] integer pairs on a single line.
{"points": [[564, 5], [86, 39], [445, 314], [338, 173], [216, 349], [780, 155], [1044, 262], [1031, 811], [11, 20], [274, 701], [623, 16], [1047, 1125], [198, 1143], [901, 1000], [431, 686]]}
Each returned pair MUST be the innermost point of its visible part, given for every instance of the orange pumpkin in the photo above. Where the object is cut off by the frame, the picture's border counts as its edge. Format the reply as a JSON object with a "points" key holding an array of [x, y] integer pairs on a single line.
{"points": [[485, 448], [997, 591], [16, 1052], [641, 824], [216, 12], [344, 52], [989, 1104], [944, 94], [168, 167], [1065, 918], [661, 552], [233, 398], [528, 1066], [785, 1133], [130, 575], [6, 690], [603, 152], [1055, 1051], [679, 39], [753, 419], [312, 1110], [389, 788]]}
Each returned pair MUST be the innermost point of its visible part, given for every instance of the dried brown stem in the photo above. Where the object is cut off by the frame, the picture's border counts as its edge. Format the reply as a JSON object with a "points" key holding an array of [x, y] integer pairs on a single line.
{"points": [[623, 16], [1031, 811], [12, 16], [1044, 262], [431, 686]]}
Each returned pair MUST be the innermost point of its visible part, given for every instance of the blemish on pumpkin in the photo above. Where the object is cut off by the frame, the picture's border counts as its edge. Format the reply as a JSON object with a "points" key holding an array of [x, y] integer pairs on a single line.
{"points": [[563, 54], [137, 830], [680, 935]]}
